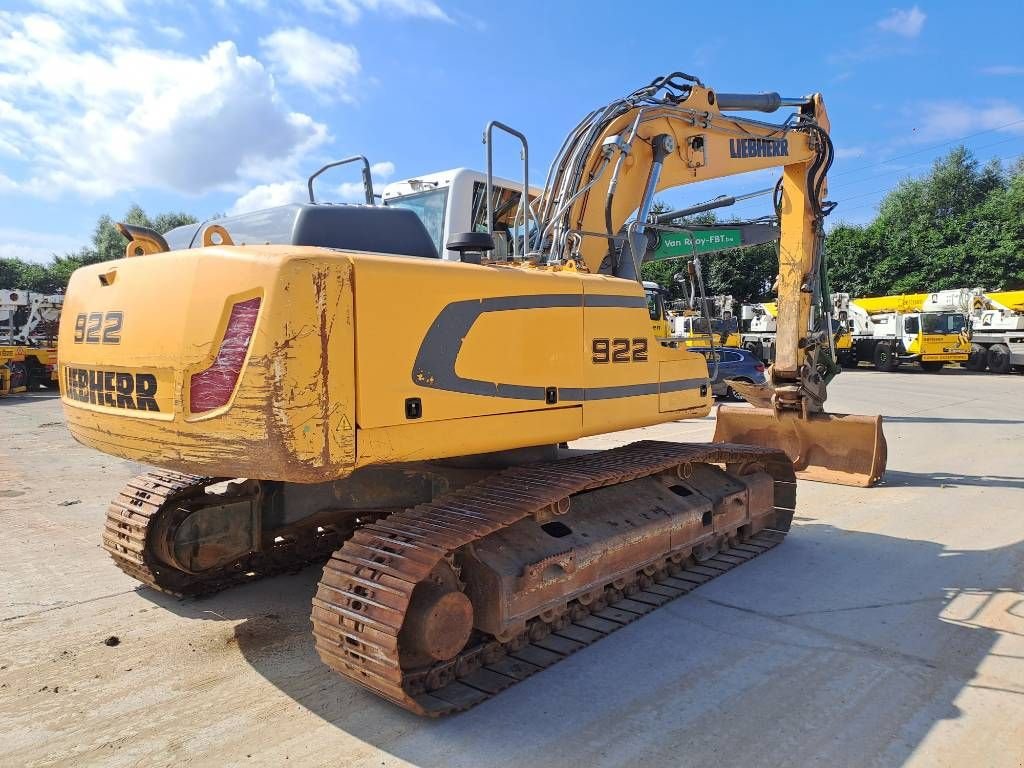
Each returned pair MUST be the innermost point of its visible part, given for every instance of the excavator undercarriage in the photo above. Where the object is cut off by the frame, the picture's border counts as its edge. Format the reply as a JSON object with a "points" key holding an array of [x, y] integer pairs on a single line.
{"points": [[442, 604]]}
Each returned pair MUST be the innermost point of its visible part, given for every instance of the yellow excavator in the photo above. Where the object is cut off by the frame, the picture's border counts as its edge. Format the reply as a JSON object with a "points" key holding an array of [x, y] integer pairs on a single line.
{"points": [[253, 361]]}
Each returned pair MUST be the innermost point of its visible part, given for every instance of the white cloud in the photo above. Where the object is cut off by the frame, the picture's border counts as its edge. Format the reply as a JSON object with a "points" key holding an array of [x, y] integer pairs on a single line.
{"points": [[1003, 70], [35, 246], [845, 153], [103, 121], [939, 120], [314, 62], [270, 195], [171, 33], [65, 8], [350, 11], [905, 23], [295, 191]]}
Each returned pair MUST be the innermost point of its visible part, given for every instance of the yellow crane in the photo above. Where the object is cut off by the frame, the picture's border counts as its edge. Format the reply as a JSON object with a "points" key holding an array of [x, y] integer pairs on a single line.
{"points": [[259, 372]]}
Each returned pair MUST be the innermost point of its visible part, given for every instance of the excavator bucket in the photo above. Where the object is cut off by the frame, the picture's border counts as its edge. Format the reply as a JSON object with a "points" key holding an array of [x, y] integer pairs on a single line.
{"points": [[846, 449]]}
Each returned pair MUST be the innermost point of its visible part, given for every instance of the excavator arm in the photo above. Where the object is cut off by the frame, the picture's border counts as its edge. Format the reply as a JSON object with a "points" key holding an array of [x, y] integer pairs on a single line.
{"points": [[674, 132]]}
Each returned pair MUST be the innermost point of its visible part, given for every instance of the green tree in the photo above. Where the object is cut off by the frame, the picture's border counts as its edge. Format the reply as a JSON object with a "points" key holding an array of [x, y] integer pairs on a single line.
{"points": [[960, 225], [106, 244]]}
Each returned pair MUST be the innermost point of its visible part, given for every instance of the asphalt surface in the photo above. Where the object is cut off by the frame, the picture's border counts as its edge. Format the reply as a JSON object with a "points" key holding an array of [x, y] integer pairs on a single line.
{"points": [[888, 629]]}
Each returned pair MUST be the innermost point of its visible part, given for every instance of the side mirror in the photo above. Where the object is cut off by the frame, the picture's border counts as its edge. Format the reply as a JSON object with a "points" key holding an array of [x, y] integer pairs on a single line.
{"points": [[470, 245]]}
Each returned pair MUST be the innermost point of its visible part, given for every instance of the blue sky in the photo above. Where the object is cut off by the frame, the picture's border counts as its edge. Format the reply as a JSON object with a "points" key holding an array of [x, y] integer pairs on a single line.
{"points": [[179, 105]]}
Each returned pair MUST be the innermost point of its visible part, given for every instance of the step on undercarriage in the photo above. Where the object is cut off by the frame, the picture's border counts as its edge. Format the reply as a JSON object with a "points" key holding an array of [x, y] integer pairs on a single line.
{"points": [[439, 605]]}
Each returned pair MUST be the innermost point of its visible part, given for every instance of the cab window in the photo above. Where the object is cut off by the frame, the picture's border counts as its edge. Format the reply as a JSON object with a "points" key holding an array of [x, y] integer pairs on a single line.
{"points": [[911, 325], [655, 305], [946, 322], [430, 207]]}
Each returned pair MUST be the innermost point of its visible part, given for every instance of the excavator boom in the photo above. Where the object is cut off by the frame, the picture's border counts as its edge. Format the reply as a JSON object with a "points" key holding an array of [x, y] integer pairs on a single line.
{"points": [[675, 132]]}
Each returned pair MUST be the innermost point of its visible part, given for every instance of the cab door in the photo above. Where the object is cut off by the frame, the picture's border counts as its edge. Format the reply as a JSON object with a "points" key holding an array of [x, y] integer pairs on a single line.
{"points": [[911, 334]]}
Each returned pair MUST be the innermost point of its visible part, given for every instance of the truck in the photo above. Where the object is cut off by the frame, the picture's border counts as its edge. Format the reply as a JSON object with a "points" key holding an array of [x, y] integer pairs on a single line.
{"points": [[757, 328], [996, 321], [717, 326], [890, 331], [28, 328]]}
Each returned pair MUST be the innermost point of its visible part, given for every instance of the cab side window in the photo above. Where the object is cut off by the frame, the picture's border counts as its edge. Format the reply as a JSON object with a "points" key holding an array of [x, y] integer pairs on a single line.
{"points": [[911, 325]]}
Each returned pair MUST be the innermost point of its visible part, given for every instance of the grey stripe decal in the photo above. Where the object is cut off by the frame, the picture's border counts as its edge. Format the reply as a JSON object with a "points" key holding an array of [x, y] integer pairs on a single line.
{"points": [[603, 300], [434, 367]]}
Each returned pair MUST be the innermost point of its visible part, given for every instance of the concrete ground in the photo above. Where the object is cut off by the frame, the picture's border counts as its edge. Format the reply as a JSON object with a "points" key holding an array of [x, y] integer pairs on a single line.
{"points": [[888, 629]]}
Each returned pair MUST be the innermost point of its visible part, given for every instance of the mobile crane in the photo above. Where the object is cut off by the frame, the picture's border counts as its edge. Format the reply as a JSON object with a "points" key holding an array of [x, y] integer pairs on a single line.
{"points": [[996, 321], [289, 425], [28, 327], [892, 330]]}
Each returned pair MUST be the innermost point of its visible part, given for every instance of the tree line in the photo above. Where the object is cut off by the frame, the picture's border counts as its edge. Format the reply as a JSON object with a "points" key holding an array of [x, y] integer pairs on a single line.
{"points": [[960, 225], [106, 244]]}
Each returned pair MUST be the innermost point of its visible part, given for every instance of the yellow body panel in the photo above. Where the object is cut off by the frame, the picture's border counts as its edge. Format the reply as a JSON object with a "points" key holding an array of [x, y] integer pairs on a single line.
{"points": [[705, 340], [498, 358], [660, 329], [947, 347], [1012, 300], [17, 353], [903, 303], [10, 354], [292, 411]]}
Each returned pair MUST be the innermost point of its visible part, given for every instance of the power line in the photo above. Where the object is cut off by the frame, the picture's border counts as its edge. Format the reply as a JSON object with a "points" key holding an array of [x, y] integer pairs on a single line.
{"points": [[902, 170], [929, 149], [886, 189]]}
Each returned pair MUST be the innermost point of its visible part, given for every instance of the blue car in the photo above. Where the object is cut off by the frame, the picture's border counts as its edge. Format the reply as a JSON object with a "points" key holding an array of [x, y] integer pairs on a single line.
{"points": [[733, 363]]}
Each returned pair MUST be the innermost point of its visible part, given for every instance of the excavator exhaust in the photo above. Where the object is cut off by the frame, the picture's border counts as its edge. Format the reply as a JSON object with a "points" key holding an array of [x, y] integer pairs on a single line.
{"points": [[845, 449]]}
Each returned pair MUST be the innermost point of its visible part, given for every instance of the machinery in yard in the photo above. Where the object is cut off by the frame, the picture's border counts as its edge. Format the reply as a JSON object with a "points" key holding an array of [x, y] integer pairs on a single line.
{"points": [[758, 325], [715, 324], [253, 363], [28, 328], [996, 321], [889, 331], [657, 300], [757, 328], [682, 323]]}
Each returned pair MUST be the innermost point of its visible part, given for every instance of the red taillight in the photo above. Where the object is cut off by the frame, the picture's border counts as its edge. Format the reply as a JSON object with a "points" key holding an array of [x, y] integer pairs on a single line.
{"points": [[212, 388], [759, 367]]}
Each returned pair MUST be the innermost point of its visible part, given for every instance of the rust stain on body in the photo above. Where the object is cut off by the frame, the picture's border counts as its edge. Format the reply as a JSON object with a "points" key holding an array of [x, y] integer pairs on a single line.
{"points": [[320, 290]]}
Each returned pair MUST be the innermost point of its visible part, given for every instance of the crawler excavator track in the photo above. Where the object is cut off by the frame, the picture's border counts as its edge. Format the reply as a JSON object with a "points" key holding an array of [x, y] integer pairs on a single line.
{"points": [[365, 608], [142, 518]]}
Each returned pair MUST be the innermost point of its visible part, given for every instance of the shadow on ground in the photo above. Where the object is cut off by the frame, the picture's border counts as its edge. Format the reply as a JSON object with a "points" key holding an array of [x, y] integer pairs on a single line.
{"points": [[829, 649], [946, 420], [42, 396], [947, 479], [917, 371]]}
